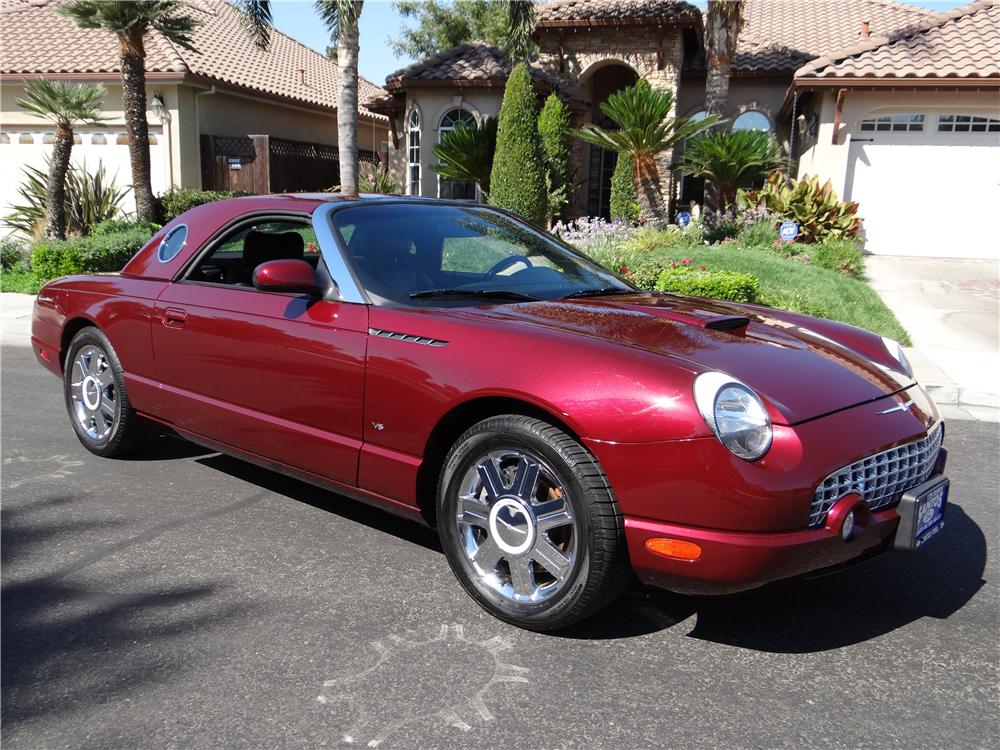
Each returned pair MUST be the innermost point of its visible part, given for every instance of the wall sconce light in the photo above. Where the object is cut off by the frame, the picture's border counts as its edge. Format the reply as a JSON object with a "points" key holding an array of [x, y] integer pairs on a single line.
{"points": [[159, 108]]}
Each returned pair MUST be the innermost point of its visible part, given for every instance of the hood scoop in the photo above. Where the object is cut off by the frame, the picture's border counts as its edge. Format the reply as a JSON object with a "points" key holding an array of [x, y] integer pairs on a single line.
{"points": [[729, 323], [734, 324]]}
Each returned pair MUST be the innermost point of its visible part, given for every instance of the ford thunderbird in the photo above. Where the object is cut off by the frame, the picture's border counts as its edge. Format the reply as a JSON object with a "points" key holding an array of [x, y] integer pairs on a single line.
{"points": [[564, 431]]}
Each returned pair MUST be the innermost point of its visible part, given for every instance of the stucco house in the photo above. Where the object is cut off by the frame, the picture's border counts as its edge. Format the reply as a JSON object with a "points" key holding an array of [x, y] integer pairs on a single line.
{"points": [[795, 60], [229, 116]]}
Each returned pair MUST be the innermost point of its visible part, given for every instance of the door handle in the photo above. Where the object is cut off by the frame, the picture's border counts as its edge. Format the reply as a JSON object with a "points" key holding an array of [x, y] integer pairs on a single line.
{"points": [[174, 318]]}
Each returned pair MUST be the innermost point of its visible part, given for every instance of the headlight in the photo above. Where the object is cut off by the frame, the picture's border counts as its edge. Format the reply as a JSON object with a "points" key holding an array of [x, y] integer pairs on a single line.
{"points": [[895, 350], [735, 413]]}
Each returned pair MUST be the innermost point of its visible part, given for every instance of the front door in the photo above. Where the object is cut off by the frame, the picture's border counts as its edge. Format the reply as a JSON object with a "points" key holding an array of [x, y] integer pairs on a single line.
{"points": [[277, 375]]}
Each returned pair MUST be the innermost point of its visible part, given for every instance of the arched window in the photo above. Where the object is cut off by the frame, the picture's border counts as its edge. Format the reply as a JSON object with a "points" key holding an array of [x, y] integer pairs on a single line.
{"points": [[98, 139], [459, 189], [752, 119], [4, 138], [25, 138], [49, 138], [413, 152]]}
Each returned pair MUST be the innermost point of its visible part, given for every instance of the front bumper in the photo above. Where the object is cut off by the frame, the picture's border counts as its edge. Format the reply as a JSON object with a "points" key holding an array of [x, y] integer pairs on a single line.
{"points": [[731, 562]]}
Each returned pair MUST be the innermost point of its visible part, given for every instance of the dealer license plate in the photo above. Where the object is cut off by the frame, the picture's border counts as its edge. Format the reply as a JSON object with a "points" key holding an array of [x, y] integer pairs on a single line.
{"points": [[921, 513]]}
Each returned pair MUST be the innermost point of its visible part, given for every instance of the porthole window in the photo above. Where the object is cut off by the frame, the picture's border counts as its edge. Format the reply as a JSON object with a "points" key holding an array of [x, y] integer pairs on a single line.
{"points": [[172, 243], [752, 120]]}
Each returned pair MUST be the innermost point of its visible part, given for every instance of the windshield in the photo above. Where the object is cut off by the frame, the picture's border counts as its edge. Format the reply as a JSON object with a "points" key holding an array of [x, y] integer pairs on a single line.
{"points": [[433, 255]]}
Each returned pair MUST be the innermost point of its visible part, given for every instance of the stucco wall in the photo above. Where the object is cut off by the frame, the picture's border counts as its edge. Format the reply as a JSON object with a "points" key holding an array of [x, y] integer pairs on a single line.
{"points": [[763, 94], [432, 105]]}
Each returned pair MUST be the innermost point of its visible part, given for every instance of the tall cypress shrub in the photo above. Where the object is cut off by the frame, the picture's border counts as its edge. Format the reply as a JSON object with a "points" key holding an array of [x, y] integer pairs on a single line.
{"points": [[624, 202], [553, 129], [517, 182]]}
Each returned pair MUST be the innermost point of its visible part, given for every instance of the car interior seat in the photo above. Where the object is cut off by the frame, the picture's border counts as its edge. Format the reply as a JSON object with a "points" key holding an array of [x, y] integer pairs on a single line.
{"points": [[384, 256], [260, 247]]}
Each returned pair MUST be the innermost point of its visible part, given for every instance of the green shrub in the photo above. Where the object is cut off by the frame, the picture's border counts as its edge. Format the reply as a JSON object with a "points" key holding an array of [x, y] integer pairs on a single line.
{"points": [[816, 209], [12, 254], [839, 255], [517, 182], [758, 234], [729, 285], [721, 225], [19, 280], [176, 201], [117, 226], [108, 252], [671, 237], [553, 130], [624, 201]]}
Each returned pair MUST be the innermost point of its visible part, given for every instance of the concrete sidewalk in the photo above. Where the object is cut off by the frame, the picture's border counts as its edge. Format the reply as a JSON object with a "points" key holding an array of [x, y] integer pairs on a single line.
{"points": [[15, 318], [951, 309]]}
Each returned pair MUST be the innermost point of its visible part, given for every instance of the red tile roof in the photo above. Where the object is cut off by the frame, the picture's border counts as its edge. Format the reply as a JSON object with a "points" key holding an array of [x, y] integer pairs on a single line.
{"points": [[782, 35], [562, 13], [963, 43], [34, 40]]}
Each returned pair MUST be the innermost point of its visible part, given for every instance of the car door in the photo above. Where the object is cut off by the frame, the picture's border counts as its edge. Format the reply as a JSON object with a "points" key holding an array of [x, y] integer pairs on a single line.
{"points": [[278, 376]]}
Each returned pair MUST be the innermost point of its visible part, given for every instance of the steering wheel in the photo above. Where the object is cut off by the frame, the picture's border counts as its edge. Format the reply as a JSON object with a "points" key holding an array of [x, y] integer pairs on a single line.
{"points": [[510, 260]]}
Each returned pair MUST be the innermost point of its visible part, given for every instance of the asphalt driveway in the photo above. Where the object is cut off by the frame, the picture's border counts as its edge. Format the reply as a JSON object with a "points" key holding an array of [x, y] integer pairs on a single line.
{"points": [[190, 600]]}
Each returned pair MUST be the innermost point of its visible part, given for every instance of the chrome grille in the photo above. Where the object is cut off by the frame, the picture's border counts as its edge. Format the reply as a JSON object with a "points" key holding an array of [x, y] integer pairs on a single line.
{"points": [[881, 479]]}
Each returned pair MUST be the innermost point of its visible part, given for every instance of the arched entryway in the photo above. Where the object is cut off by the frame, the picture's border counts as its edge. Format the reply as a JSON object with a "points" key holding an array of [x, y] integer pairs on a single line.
{"points": [[598, 83]]}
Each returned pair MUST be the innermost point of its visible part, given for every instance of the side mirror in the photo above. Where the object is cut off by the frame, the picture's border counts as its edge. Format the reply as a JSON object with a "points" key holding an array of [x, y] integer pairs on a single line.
{"points": [[288, 276]]}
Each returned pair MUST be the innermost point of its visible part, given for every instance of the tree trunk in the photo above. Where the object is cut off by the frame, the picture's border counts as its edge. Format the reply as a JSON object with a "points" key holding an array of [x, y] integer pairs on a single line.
{"points": [[724, 20], [55, 190], [347, 103], [649, 193], [133, 64]]}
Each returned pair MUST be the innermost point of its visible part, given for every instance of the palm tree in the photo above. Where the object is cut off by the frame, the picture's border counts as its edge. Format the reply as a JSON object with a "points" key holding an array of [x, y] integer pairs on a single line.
{"points": [[731, 160], [341, 18], [646, 129], [724, 21], [516, 40], [130, 21], [65, 105], [466, 153], [257, 20]]}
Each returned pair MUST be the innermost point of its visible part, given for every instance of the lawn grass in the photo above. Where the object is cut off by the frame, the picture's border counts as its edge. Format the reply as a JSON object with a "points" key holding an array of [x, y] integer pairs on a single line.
{"points": [[20, 280], [789, 284]]}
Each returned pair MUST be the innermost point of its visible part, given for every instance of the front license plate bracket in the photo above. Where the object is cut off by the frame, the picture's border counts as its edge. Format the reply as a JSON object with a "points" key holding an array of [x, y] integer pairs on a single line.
{"points": [[921, 513]]}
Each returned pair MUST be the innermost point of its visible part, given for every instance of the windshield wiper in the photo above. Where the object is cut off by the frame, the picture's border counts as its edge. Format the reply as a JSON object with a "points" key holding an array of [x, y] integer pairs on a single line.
{"points": [[488, 293], [605, 291]]}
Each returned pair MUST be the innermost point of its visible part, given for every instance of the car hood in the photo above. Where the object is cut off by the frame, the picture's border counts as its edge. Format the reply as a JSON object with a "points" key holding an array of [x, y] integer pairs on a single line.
{"points": [[789, 359]]}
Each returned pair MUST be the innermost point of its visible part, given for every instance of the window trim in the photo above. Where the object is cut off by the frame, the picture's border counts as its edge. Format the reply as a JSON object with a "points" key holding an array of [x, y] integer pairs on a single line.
{"points": [[990, 124], [410, 164], [915, 123], [440, 131]]}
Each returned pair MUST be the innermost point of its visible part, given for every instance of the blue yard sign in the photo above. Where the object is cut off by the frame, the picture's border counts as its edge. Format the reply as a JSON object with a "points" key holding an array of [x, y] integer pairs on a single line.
{"points": [[789, 231], [683, 218]]}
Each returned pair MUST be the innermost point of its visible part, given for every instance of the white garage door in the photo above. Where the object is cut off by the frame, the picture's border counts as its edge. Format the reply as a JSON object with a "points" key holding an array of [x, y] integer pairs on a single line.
{"points": [[928, 183], [108, 146]]}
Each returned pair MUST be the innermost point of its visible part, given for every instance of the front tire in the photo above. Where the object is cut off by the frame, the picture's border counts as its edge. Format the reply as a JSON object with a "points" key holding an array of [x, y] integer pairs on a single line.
{"points": [[96, 398], [529, 524]]}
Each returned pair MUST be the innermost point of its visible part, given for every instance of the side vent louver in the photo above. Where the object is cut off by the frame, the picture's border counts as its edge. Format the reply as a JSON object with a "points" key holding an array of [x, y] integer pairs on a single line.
{"points": [[409, 338]]}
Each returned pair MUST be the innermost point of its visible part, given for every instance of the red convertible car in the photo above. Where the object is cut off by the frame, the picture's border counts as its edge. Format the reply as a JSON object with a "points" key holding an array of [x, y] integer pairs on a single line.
{"points": [[562, 429]]}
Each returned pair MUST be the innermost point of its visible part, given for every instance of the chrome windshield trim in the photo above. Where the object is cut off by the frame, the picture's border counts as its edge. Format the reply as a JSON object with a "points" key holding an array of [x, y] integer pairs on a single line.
{"points": [[335, 256]]}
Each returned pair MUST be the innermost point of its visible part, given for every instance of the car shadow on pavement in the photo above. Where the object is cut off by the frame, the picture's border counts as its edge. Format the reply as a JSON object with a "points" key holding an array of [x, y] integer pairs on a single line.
{"points": [[852, 606], [72, 642], [323, 499], [848, 607]]}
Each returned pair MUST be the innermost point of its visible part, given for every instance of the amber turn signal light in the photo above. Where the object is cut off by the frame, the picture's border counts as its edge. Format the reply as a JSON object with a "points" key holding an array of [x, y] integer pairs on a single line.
{"points": [[675, 548]]}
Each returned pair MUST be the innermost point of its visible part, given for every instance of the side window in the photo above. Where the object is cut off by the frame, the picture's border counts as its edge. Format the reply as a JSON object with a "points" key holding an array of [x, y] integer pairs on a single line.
{"points": [[232, 259]]}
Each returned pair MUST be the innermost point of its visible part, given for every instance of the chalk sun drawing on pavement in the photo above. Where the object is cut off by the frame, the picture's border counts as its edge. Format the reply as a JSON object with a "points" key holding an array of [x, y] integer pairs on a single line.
{"points": [[445, 678], [60, 467]]}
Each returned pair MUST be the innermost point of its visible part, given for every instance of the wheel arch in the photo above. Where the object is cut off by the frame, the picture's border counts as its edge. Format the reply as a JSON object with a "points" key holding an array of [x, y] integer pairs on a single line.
{"points": [[458, 420], [72, 327]]}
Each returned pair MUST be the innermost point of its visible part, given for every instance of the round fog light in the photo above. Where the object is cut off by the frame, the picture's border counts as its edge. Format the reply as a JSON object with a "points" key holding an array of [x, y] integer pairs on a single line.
{"points": [[848, 528]]}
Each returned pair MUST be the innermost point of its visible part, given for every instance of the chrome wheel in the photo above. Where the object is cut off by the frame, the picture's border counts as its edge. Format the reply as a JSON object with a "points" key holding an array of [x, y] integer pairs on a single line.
{"points": [[516, 526], [94, 393]]}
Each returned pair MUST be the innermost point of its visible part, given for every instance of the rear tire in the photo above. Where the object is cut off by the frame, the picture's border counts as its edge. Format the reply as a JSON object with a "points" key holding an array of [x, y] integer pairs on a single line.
{"points": [[96, 398], [529, 524]]}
